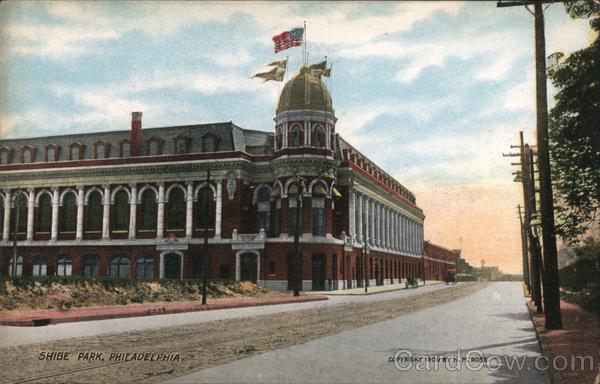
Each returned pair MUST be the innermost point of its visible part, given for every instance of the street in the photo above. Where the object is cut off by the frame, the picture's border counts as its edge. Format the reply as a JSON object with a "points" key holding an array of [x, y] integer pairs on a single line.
{"points": [[350, 339]]}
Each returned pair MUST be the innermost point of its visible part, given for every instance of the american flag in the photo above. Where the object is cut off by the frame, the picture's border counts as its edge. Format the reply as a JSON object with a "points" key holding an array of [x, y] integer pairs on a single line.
{"points": [[288, 39]]}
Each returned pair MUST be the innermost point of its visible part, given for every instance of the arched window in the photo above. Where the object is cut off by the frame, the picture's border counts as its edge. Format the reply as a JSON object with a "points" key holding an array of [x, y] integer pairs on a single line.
{"points": [[319, 138], [121, 211], [295, 136], [279, 140], [294, 209], [68, 221], [93, 212], [5, 155], [21, 205], [19, 269], [39, 266], [263, 208], [205, 219], [43, 218], [27, 154], [64, 266], [90, 265], [119, 266], [176, 209], [144, 267], [100, 150], [148, 210], [76, 151], [51, 153]]}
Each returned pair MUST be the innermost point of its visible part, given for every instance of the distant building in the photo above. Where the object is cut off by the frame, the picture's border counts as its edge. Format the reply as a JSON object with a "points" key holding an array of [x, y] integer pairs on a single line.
{"points": [[133, 203]]}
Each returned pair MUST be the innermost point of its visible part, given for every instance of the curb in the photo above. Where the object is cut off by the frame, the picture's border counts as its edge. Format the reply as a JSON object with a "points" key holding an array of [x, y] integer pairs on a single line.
{"points": [[375, 292], [40, 320]]}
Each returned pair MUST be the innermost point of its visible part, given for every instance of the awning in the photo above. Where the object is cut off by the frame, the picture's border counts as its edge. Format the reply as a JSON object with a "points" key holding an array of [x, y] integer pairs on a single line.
{"points": [[319, 191], [294, 189], [335, 193], [276, 193]]}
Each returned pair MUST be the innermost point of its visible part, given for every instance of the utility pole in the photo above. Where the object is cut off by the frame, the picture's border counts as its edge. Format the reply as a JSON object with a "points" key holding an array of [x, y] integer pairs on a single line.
{"points": [[524, 250], [551, 281]]}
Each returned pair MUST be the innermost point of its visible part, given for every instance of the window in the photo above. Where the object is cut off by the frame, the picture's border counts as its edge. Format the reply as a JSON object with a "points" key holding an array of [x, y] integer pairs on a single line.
{"points": [[294, 209], [319, 138], [277, 218], [295, 133], [210, 143], [279, 140], [154, 147], [148, 208], [43, 216], [125, 148], [144, 267], [182, 145], [176, 209], [263, 208], [5, 155], [39, 266], [27, 155], [2, 215], [22, 209], [11, 265], [90, 265], [51, 152], [64, 266], [318, 216], [205, 219], [121, 211], [272, 268], [69, 213], [119, 266], [76, 151], [93, 212], [100, 150]]}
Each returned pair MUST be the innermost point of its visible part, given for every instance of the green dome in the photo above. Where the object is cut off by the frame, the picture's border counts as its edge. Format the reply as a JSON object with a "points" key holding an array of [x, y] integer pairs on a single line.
{"points": [[304, 91]]}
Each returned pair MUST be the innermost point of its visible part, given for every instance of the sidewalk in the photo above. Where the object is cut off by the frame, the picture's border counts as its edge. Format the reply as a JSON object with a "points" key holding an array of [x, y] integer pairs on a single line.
{"points": [[580, 337], [372, 289], [55, 316]]}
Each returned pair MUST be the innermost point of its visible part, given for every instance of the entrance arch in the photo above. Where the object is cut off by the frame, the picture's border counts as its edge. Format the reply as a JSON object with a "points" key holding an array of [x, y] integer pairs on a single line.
{"points": [[171, 265]]}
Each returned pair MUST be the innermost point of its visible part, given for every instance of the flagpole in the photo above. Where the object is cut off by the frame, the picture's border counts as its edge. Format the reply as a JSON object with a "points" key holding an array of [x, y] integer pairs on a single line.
{"points": [[305, 50]]}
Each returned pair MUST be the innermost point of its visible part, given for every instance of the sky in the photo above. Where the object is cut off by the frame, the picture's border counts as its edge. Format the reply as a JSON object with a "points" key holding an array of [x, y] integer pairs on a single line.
{"points": [[433, 92]]}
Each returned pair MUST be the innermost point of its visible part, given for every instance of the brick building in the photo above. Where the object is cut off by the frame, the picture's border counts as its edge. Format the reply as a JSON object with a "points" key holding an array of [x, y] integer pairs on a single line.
{"points": [[439, 262], [137, 203]]}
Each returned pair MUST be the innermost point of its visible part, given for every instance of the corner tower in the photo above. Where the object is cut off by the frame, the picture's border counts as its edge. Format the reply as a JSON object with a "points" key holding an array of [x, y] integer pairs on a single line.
{"points": [[303, 166]]}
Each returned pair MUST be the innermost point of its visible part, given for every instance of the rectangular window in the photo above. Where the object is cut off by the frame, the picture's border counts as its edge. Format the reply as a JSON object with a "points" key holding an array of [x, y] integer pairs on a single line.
{"points": [[318, 216], [271, 267], [292, 211]]}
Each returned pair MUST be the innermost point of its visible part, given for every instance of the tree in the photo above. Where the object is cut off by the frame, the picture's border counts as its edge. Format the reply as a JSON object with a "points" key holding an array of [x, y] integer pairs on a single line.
{"points": [[574, 128]]}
